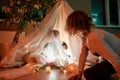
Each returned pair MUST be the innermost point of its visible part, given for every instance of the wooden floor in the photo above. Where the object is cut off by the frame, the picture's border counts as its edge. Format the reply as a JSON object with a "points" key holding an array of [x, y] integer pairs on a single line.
{"points": [[55, 74], [26, 72]]}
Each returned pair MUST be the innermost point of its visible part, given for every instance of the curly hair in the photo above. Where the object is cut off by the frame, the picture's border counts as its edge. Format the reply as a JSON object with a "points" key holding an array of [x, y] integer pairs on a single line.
{"points": [[77, 21]]}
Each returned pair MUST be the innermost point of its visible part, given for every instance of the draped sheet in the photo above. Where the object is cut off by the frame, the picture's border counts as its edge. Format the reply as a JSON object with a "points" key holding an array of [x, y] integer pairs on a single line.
{"points": [[37, 38]]}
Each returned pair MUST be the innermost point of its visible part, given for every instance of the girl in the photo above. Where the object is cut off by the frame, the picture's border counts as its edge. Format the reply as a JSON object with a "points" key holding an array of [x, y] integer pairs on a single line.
{"points": [[96, 41]]}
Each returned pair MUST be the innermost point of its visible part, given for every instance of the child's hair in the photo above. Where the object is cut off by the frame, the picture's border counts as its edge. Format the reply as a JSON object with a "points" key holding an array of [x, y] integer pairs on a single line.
{"points": [[64, 45], [77, 21]]}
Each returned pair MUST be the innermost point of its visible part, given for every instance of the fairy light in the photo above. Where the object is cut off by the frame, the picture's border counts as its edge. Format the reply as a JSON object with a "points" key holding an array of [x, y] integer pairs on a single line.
{"points": [[48, 69]]}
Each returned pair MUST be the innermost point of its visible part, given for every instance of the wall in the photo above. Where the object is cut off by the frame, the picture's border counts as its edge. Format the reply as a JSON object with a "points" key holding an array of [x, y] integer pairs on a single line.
{"points": [[84, 5], [7, 36]]}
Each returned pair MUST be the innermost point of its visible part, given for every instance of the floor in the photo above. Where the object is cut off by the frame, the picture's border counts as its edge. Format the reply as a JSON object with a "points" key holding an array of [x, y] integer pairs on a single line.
{"points": [[25, 73], [43, 75]]}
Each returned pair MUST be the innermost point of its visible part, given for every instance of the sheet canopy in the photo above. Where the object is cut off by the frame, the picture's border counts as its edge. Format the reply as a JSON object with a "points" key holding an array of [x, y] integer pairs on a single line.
{"points": [[37, 38]]}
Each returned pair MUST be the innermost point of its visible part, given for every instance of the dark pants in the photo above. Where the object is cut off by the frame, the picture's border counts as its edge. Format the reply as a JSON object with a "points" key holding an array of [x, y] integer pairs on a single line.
{"points": [[100, 71]]}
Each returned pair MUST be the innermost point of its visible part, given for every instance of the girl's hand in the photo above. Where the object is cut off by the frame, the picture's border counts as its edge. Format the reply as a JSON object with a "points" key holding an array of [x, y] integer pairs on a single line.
{"points": [[75, 77]]}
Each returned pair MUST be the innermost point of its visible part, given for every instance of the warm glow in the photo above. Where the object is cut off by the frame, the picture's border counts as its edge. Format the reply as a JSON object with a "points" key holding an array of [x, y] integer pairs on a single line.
{"points": [[72, 67], [48, 69]]}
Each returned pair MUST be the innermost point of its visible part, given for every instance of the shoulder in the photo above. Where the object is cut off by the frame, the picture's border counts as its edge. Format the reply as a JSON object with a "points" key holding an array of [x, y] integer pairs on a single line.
{"points": [[96, 33]]}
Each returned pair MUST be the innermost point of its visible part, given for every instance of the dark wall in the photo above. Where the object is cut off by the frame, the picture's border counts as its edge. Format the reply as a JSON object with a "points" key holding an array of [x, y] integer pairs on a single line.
{"points": [[84, 5]]}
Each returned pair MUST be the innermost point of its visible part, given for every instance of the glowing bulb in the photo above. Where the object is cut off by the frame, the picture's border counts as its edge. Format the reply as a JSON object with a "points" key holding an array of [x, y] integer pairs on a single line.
{"points": [[48, 69], [64, 71]]}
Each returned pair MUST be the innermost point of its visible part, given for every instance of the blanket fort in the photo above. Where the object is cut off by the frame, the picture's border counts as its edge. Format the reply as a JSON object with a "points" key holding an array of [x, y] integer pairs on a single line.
{"points": [[37, 43]]}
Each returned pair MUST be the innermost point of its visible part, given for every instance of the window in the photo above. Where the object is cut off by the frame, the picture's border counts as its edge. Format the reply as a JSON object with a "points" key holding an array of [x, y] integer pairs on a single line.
{"points": [[106, 12]]}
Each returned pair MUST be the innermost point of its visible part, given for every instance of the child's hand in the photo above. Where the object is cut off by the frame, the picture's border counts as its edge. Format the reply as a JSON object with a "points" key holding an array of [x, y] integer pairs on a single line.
{"points": [[75, 77]]}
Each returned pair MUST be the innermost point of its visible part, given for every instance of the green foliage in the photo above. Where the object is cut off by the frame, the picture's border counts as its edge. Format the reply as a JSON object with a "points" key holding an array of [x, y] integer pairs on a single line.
{"points": [[21, 12]]}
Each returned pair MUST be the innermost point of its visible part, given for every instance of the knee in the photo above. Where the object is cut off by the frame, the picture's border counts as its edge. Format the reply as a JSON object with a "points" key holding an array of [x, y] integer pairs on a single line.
{"points": [[88, 75]]}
